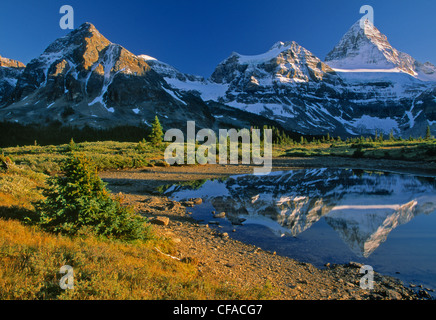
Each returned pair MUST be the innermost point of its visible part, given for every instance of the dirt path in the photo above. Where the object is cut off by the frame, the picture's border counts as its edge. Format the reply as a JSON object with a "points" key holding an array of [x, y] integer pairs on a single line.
{"points": [[247, 265]]}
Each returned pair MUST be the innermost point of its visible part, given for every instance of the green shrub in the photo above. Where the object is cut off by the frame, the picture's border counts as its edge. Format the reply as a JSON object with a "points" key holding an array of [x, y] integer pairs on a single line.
{"points": [[358, 153], [79, 203]]}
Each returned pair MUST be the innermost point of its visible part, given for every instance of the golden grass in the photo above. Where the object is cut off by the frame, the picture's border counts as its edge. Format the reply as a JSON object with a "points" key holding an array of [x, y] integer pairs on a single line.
{"points": [[30, 260]]}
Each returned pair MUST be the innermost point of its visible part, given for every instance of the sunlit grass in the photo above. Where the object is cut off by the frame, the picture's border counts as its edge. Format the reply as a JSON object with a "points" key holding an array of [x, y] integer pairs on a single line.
{"points": [[30, 260]]}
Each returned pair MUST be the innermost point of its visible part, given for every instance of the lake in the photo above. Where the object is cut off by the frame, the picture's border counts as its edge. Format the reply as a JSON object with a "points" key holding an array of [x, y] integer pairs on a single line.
{"points": [[385, 220]]}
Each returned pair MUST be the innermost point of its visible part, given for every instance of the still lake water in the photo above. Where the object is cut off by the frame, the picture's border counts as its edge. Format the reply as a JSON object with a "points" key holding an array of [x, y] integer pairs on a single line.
{"points": [[385, 220]]}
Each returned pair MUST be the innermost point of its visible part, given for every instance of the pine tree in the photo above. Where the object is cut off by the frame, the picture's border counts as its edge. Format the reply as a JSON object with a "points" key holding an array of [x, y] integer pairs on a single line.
{"points": [[391, 135], [428, 133], [156, 132], [72, 145], [78, 202]]}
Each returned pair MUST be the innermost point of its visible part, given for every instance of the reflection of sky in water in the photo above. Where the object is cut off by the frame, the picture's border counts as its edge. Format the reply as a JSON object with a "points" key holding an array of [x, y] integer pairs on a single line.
{"points": [[330, 215]]}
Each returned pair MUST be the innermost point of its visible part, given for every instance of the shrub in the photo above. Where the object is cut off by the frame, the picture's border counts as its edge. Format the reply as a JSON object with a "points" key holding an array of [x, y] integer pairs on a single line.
{"points": [[358, 153], [79, 203], [5, 162]]}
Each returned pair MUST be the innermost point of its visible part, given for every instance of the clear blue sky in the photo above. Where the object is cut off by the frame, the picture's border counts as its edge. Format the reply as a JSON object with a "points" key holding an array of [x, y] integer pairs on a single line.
{"points": [[195, 35]]}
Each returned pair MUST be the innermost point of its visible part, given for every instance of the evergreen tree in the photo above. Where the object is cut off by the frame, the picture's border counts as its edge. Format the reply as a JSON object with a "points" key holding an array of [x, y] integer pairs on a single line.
{"points": [[391, 135], [428, 133], [380, 138], [156, 134], [78, 203], [72, 145]]}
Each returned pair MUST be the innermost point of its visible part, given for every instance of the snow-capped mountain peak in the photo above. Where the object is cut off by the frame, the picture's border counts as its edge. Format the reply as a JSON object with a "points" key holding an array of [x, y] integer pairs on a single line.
{"points": [[283, 62], [365, 48]]}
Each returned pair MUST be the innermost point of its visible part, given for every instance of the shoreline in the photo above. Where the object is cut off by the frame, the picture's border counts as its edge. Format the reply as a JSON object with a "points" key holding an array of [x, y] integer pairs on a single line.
{"points": [[247, 265]]}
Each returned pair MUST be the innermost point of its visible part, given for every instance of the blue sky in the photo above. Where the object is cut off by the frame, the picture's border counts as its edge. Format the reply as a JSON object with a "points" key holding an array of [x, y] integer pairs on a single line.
{"points": [[195, 35]]}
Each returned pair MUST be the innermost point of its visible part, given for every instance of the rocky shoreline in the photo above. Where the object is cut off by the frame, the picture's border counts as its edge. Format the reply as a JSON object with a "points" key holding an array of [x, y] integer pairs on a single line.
{"points": [[245, 265]]}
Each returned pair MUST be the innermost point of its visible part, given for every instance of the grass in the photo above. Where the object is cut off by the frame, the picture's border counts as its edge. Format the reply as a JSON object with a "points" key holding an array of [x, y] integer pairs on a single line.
{"points": [[30, 258], [121, 155], [416, 150], [106, 155]]}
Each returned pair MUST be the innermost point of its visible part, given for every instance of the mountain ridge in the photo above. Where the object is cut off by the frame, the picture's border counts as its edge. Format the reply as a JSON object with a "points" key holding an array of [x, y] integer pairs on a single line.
{"points": [[105, 84]]}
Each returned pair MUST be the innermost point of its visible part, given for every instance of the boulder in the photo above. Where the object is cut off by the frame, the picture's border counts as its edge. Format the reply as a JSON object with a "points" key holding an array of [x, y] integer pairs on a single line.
{"points": [[197, 201], [161, 221], [220, 215]]}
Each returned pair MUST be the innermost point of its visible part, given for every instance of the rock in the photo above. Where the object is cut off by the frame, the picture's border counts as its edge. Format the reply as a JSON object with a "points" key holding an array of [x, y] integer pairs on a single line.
{"points": [[190, 260], [220, 215], [176, 240], [197, 201], [188, 203], [224, 235], [394, 295], [353, 264], [424, 294], [161, 221], [213, 222], [174, 205], [236, 221]]}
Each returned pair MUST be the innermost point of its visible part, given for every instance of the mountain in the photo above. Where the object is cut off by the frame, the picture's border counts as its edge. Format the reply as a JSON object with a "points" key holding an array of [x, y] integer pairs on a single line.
{"points": [[363, 85], [368, 49], [10, 71], [83, 78]]}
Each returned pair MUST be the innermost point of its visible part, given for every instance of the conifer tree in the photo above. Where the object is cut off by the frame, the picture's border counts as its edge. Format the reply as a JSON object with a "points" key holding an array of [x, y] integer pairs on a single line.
{"points": [[156, 134], [391, 135], [428, 133]]}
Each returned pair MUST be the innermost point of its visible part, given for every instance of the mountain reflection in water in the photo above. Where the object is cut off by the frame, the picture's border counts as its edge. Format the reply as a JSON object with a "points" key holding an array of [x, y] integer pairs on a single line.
{"points": [[362, 207]]}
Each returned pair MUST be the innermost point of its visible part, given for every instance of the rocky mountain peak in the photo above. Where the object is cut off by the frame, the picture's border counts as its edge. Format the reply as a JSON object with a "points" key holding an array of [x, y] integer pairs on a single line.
{"points": [[10, 63], [283, 62]]}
